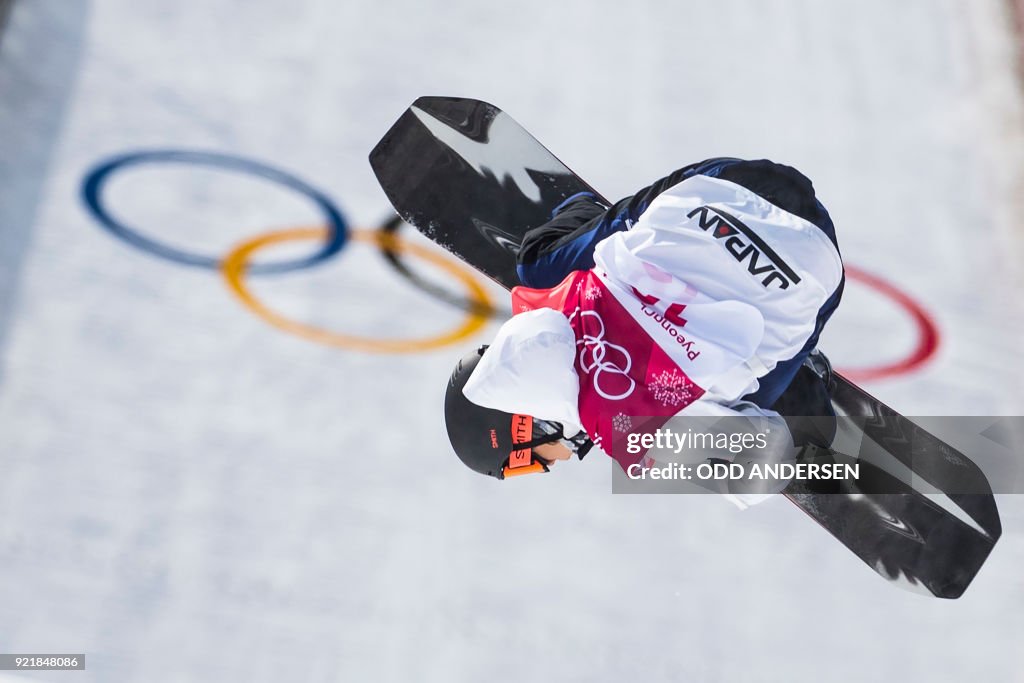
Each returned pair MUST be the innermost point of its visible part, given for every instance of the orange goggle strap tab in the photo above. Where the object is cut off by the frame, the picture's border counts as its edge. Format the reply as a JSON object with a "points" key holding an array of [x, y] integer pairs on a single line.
{"points": [[528, 469], [520, 460]]}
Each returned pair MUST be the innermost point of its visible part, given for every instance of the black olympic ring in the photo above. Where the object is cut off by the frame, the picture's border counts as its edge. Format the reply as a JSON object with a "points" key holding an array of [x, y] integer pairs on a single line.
{"points": [[394, 257]]}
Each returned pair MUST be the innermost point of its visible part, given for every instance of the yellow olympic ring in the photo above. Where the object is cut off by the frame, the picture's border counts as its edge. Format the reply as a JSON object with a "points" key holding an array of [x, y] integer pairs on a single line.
{"points": [[234, 266]]}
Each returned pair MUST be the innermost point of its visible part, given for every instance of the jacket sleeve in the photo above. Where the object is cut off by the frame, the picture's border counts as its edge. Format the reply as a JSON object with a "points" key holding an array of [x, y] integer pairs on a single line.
{"points": [[566, 242]]}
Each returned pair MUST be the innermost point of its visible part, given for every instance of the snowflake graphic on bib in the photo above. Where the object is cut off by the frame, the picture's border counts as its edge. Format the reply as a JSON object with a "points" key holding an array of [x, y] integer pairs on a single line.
{"points": [[671, 388]]}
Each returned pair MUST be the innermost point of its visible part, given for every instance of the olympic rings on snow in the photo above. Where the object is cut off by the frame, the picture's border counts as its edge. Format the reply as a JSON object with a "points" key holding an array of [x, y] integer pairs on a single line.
{"points": [[96, 179], [236, 264], [476, 304]]}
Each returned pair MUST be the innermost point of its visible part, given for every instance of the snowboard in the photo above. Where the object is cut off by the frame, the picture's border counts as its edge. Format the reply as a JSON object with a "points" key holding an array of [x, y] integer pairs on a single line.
{"points": [[471, 179]]}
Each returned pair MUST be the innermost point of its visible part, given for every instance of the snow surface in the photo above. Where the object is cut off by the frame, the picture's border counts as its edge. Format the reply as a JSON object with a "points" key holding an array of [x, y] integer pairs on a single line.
{"points": [[187, 494]]}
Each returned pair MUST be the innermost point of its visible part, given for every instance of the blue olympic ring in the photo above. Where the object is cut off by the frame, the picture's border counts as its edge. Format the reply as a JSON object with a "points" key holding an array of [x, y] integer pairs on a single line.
{"points": [[92, 192]]}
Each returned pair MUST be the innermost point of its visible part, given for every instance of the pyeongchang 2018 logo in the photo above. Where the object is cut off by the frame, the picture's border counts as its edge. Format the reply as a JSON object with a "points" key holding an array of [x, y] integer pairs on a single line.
{"points": [[746, 247]]}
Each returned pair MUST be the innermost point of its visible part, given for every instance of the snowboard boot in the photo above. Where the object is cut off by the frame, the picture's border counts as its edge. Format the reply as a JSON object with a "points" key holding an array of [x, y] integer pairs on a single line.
{"points": [[806, 404]]}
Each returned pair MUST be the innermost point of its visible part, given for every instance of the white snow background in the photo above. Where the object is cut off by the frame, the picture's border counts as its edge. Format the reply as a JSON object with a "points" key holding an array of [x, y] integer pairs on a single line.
{"points": [[187, 494]]}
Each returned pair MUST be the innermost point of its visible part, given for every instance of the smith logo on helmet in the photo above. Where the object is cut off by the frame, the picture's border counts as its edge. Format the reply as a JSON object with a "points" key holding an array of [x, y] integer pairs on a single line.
{"points": [[522, 432], [494, 438], [725, 226]]}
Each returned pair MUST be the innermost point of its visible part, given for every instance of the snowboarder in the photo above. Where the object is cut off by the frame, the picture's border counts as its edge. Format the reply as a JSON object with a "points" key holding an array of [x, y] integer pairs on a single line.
{"points": [[701, 295]]}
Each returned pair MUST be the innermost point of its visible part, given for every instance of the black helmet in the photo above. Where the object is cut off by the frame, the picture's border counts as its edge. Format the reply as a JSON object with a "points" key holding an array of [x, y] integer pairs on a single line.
{"points": [[493, 442]]}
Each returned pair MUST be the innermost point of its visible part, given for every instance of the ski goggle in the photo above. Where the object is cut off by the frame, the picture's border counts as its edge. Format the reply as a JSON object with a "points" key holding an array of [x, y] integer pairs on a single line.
{"points": [[528, 432]]}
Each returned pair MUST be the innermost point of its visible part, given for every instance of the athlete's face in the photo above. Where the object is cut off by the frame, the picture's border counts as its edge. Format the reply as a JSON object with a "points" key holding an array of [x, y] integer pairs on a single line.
{"points": [[552, 451]]}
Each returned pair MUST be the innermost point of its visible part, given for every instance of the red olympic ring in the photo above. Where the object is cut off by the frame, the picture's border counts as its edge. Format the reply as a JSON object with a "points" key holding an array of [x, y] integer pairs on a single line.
{"points": [[927, 331]]}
